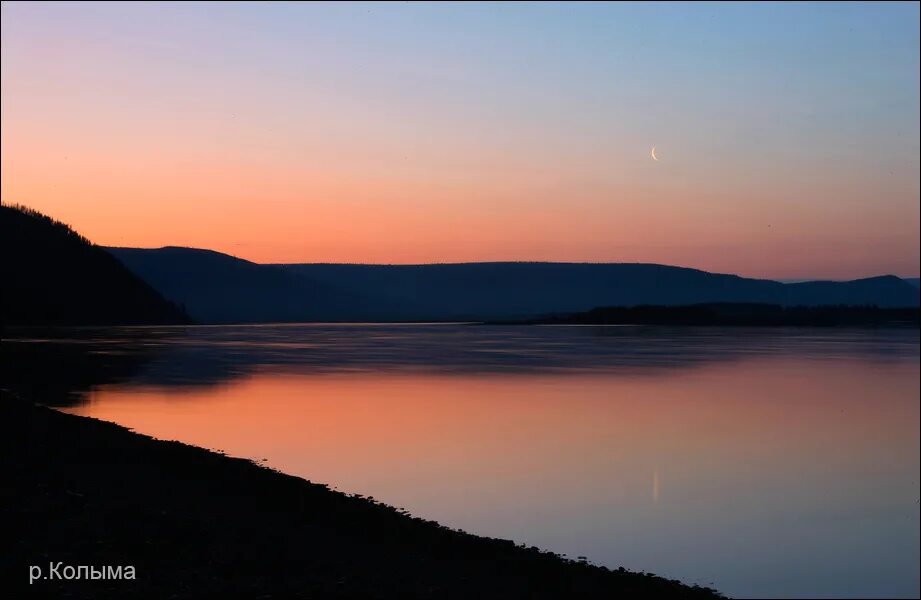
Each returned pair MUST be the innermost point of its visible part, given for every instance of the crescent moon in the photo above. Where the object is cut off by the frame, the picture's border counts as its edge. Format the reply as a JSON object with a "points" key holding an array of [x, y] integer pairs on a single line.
{"points": [[653, 154]]}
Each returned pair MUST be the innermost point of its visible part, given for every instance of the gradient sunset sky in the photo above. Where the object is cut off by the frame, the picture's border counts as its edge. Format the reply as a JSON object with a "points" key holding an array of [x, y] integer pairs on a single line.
{"points": [[788, 134]]}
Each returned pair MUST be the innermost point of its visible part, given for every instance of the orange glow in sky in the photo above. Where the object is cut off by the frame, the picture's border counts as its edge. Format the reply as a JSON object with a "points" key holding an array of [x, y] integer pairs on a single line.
{"points": [[412, 134]]}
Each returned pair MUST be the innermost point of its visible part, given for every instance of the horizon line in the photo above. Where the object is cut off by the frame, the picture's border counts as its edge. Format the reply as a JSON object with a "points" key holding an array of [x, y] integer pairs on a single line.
{"points": [[512, 261]]}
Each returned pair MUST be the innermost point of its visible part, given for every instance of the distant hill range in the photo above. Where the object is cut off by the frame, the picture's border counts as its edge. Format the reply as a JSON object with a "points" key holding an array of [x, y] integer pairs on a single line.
{"points": [[53, 276], [218, 288]]}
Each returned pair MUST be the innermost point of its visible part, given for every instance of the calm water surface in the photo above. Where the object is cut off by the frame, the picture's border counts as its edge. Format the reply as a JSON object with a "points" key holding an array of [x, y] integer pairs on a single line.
{"points": [[761, 462]]}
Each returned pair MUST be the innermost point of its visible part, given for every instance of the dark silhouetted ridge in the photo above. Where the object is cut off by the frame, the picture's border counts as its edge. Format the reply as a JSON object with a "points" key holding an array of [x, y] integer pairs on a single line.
{"points": [[54, 276], [219, 288]]}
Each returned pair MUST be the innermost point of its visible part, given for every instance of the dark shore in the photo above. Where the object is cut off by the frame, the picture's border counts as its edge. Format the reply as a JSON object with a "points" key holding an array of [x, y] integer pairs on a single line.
{"points": [[195, 523], [735, 314]]}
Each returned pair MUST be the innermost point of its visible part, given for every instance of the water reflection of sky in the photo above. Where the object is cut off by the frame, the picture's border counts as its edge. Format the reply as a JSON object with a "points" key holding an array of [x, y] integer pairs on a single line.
{"points": [[766, 462]]}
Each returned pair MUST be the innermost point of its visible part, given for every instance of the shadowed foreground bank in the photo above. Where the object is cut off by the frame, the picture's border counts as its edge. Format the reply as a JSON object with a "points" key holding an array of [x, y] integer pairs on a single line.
{"points": [[193, 522]]}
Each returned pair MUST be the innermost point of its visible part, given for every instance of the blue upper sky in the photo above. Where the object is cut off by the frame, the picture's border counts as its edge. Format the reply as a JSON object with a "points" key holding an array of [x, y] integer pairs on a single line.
{"points": [[787, 133]]}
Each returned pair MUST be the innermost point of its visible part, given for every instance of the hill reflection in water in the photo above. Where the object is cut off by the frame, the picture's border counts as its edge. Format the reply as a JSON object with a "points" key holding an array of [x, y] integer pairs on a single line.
{"points": [[60, 365], [763, 462]]}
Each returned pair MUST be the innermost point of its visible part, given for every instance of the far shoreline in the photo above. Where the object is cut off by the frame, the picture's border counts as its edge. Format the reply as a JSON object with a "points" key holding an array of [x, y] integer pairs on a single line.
{"points": [[706, 315]]}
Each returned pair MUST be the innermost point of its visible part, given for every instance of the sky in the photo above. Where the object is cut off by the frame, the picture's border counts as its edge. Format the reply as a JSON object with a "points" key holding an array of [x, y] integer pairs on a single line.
{"points": [[787, 134]]}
